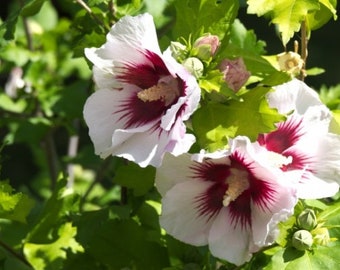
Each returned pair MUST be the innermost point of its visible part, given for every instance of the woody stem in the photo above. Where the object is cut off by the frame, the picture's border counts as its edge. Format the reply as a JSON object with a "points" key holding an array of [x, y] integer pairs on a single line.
{"points": [[304, 50]]}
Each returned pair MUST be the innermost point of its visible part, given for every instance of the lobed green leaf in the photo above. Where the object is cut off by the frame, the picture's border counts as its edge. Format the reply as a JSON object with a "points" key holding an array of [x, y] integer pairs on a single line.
{"points": [[214, 123]]}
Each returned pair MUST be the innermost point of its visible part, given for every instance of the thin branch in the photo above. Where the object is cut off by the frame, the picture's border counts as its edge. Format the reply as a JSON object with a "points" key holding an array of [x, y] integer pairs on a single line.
{"points": [[72, 152], [15, 254], [28, 34], [51, 155], [123, 195], [304, 50], [94, 16]]}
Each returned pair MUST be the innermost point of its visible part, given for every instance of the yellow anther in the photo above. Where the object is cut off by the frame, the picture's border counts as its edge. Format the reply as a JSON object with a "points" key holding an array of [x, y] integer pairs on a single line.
{"points": [[164, 91], [237, 183]]}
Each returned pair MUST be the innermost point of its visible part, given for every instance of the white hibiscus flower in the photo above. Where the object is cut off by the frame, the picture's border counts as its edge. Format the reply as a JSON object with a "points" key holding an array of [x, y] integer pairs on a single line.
{"points": [[142, 96]]}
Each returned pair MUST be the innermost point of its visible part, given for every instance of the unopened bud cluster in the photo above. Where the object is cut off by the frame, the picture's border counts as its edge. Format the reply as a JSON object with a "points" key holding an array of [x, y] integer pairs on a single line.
{"points": [[310, 232], [193, 57], [197, 57]]}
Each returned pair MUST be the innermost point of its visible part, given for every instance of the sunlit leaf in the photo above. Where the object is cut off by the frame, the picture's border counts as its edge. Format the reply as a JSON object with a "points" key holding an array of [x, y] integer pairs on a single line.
{"points": [[14, 206], [51, 255], [287, 15], [321, 258], [8, 104], [330, 96], [215, 123], [62, 202], [327, 10], [194, 17]]}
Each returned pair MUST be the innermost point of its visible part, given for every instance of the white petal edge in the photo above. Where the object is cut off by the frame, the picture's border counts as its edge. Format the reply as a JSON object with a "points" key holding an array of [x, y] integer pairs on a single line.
{"points": [[179, 166], [179, 214], [229, 242], [293, 95]]}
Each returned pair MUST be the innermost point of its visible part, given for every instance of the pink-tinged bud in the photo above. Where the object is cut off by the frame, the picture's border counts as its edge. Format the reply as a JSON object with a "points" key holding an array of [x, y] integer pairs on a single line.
{"points": [[235, 73], [206, 46]]}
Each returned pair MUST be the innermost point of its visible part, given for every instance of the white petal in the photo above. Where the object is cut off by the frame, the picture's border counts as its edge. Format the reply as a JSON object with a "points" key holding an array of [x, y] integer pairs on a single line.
{"points": [[182, 145], [328, 165], [125, 43], [293, 95], [265, 220], [178, 141], [313, 187], [144, 147], [220, 154], [138, 31], [99, 116], [179, 214], [227, 241], [170, 116], [105, 80], [193, 97], [179, 166], [192, 91]]}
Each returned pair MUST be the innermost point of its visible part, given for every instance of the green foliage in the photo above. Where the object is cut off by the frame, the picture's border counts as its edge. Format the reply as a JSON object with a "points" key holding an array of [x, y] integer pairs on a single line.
{"points": [[215, 124], [14, 206], [243, 43], [330, 96], [196, 16], [288, 15], [51, 255], [134, 177], [120, 244], [28, 8]]}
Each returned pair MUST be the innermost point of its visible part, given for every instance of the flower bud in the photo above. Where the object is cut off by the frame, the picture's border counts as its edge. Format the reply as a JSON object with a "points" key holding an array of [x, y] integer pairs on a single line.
{"points": [[178, 50], [194, 66], [302, 240], [321, 236], [206, 46], [290, 62], [235, 73], [307, 220]]}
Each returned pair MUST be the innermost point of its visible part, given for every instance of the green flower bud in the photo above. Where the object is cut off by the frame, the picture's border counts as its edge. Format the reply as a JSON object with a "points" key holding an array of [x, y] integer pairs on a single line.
{"points": [[178, 50], [194, 66], [321, 236], [302, 240], [307, 220]]}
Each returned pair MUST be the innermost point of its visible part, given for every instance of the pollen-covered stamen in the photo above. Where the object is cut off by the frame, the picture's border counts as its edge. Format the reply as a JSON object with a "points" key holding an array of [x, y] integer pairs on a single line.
{"points": [[166, 91], [237, 183], [278, 160]]}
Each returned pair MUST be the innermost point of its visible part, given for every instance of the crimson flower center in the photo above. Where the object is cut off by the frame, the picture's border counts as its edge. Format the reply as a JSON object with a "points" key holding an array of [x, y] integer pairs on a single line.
{"points": [[237, 183], [166, 90]]}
